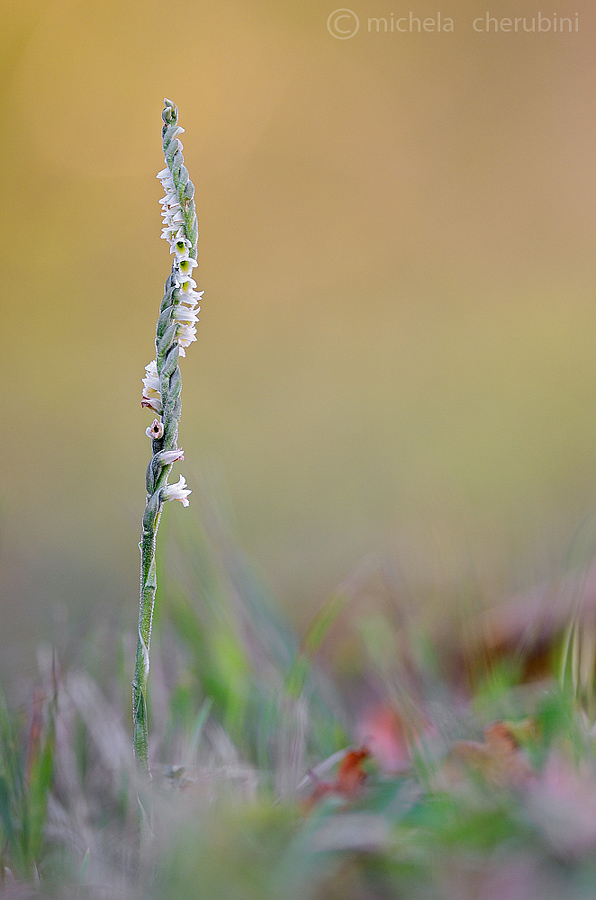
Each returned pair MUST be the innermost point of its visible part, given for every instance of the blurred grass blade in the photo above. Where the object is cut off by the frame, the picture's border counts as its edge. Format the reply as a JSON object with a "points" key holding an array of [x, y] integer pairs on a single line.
{"points": [[84, 867], [315, 634], [6, 812], [197, 731]]}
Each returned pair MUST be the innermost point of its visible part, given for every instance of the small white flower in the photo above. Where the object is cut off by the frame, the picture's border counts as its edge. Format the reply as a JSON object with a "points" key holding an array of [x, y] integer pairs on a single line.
{"points": [[155, 430], [168, 233], [190, 303], [167, 180], [186, 264], [185, 314], [169, 211], [151, 378], [177, 491], [190, 298], [155, 405], [180, 247], [171, 456], [169, 205], [186, 334], [151, 392], [187, 286]]}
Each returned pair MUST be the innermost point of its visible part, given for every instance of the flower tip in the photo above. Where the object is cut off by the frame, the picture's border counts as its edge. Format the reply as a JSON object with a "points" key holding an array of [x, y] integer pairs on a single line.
{"points": [[170, 112]]}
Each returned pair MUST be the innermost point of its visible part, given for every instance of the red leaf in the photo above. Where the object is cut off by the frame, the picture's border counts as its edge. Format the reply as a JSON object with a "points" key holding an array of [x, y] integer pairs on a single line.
{"points": [[351, 774], [348, 782]]}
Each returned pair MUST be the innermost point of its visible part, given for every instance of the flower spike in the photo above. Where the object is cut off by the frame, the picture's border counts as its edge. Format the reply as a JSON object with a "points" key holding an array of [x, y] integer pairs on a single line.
{"points": [[162, 384]]}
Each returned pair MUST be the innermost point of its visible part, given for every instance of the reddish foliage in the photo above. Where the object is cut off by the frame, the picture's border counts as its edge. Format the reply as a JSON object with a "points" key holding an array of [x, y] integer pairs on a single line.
{"points": [[392, 738], [348, 782], [499, 758], [351, 775]]}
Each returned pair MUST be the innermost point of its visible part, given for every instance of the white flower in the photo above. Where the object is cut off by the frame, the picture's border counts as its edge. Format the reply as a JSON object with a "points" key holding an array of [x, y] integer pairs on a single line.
{"points": [[190, 297], [151, 378], [168, 232], [187, 285], [177, 491], [186, 334], [171, 211], [186, 315], [186, 264], [191, 302], [151, 392], [171, 197], [155, 405], [155, 430], [186, 294], [180, 247], [169, 207], [167, 457], [168, 213]]}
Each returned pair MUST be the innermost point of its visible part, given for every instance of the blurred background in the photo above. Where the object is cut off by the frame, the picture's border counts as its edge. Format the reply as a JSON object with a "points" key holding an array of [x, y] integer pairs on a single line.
{"points": [[396, 354]]}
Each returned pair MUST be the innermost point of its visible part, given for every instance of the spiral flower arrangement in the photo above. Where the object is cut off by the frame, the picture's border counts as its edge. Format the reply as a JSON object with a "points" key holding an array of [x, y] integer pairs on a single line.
{"points": [[162, 384]]}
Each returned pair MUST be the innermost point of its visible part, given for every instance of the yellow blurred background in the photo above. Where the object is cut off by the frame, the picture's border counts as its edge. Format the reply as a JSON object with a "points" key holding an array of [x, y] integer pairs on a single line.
{"points": [[397, 348]]}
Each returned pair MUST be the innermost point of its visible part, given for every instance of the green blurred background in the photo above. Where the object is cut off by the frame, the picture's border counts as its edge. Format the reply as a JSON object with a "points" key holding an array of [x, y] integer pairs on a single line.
{"points": [[396, 352]]}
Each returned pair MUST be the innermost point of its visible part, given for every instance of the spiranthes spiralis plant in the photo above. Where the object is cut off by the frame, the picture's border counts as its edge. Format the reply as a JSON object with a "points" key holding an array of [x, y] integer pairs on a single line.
{"points": [[161, 393]]}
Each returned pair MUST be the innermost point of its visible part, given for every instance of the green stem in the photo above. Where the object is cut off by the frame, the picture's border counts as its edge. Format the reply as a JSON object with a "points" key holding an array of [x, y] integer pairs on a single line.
{"points": [[139, 685]]}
